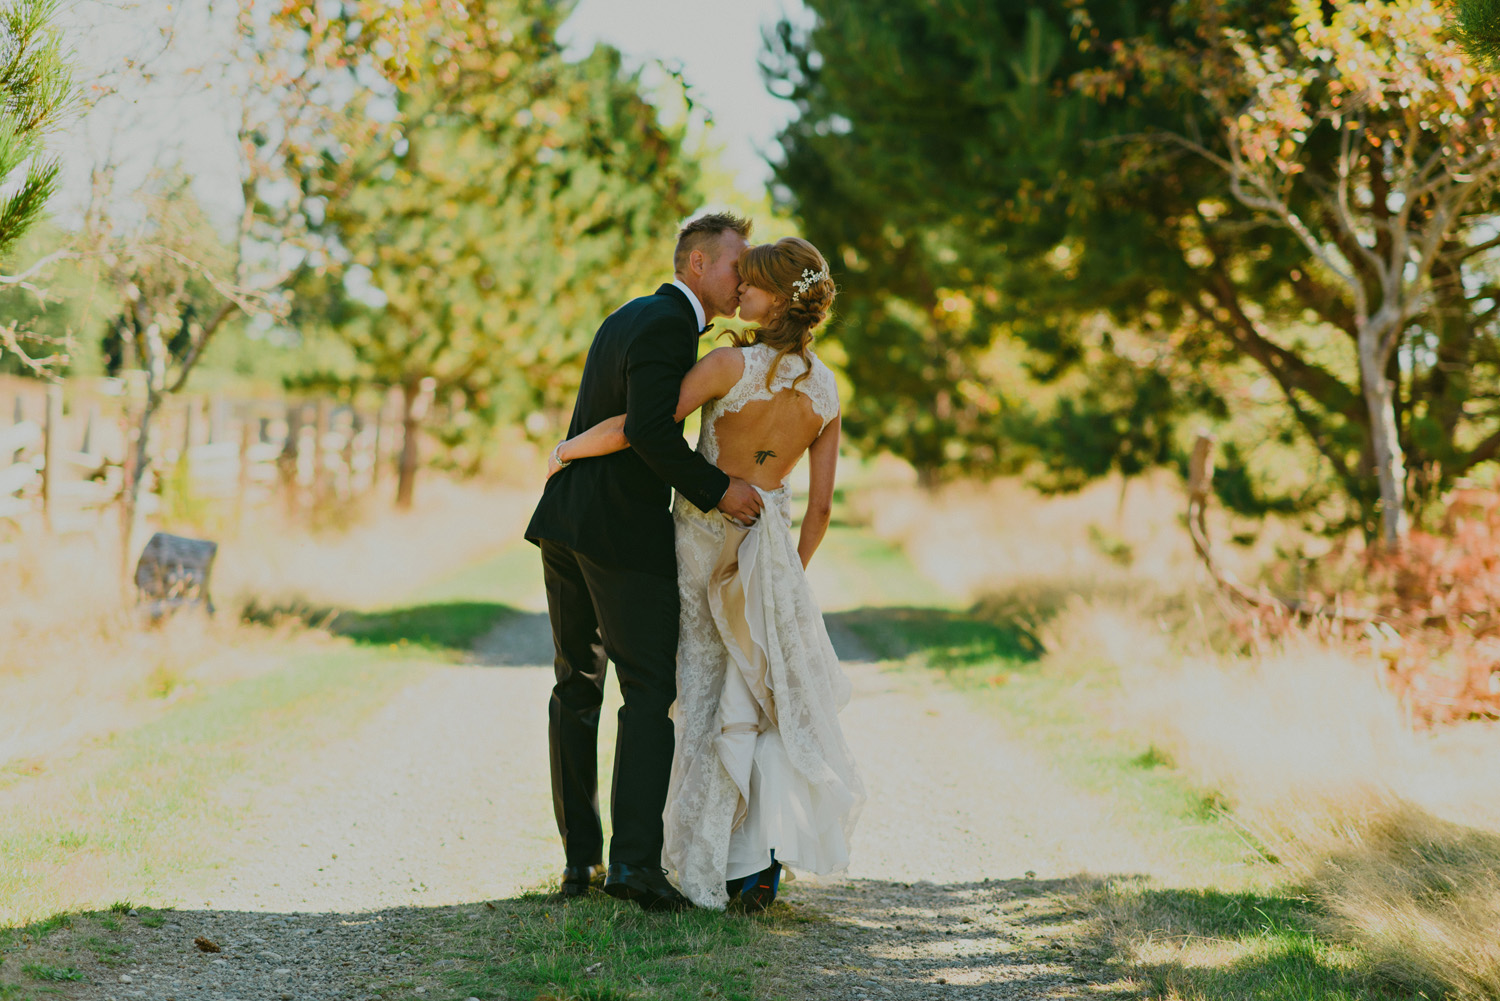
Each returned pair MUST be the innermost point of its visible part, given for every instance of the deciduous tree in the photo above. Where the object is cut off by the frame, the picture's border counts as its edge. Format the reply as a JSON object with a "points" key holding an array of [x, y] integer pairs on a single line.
{"points": [[516, 200]]}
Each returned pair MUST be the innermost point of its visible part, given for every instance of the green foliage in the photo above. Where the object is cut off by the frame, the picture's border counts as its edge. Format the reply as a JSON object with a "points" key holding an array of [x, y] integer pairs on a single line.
{"points": [[1011, 294], [51, 322], [516, 199], [36, 90], [448, 625], [37, 85], [165, 289], [1046, 263], [1478, 23]]}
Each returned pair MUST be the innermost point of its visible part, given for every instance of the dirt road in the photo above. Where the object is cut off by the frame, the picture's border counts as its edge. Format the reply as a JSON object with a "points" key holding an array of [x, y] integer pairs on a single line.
{"points": [[442, 798]]}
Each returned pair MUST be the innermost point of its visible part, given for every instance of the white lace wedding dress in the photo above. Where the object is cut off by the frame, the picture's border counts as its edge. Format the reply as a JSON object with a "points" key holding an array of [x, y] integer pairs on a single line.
{"points": [[761, 761]]}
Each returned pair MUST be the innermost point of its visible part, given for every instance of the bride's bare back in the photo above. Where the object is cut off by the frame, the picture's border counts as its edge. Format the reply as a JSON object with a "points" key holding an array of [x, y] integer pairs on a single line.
{"points": [[757, 425], [763, 441]]}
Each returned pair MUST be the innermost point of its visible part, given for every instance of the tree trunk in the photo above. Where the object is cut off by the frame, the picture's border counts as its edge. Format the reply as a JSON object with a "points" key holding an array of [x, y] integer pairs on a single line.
{"points": [[137, 466], [1385, 442], [411, 428]]}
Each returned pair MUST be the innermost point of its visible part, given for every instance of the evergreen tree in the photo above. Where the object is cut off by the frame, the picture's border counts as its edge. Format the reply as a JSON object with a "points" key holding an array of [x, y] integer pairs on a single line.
{"points": [[1046, 262], [36, 89], [1478, 23]]}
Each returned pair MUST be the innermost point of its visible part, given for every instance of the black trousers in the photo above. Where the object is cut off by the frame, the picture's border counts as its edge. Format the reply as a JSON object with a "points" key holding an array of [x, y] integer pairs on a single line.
{"points": [[602, 614]]}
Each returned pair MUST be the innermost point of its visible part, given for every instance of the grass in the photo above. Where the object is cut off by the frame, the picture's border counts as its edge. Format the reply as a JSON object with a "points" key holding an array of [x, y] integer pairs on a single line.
{"points": [[597, 949], [941, 638], [151, 802], [1421, 897], [45, 971], [450, 626], [1236, 762], [1208, 945], [57, 950]]}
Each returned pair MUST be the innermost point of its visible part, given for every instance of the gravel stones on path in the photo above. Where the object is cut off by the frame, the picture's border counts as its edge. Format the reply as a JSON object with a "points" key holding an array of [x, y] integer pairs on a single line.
{"points": [[283, 957], [879, 940]]}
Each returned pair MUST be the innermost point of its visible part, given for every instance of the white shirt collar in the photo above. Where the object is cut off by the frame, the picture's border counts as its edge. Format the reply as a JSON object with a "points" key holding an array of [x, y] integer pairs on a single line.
{"points": [[697, 306]]}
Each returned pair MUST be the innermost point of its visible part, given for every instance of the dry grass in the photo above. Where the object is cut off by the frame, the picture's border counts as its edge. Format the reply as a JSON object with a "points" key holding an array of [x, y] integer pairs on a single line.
{"points": [[77, 660], [1390, 831], [1421, 897], [375, 554], [1393, 833]]}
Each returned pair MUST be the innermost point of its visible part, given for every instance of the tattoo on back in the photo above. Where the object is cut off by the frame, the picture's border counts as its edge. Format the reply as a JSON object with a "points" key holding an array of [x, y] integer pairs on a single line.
{"points": [[762, 456]]}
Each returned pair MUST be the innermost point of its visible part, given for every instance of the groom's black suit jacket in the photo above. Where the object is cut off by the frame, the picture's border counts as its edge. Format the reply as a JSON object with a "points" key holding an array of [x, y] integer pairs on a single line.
{"points": [[615, 509]]}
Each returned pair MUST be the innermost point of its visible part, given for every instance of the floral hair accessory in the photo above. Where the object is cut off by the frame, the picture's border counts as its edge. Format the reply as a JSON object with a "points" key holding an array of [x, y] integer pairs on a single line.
{"points": [[808, 280]]}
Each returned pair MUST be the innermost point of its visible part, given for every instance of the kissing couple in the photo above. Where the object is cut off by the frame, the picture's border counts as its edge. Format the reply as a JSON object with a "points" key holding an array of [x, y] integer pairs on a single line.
{"points": [[730, 764]]}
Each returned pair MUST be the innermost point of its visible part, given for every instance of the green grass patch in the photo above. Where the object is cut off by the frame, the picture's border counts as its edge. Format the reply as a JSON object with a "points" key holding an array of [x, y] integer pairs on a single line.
{"points": [[940, 638], [46, 971], [1210, 945], [598, 949], [453, 625]]}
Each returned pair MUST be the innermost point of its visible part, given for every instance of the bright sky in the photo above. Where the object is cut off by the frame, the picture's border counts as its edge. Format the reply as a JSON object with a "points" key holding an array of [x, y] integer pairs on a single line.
{"points": [[717, 45]]}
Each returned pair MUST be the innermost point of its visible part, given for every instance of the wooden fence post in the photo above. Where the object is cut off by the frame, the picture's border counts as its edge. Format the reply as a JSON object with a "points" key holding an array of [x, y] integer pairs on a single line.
{"points": [[286, 464], [218, 416], [18, 416], [356, 425], [90, 430], [320, 459], [187, 427], [379, 438], [51, 435], [242, 482]]}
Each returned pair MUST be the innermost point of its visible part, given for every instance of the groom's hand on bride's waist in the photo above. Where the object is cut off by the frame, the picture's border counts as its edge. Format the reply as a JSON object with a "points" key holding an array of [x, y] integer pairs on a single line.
{"points": [[741, 501]]}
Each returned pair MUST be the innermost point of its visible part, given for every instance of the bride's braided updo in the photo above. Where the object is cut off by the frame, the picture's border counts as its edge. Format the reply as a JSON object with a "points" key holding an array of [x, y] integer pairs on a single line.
{"points": [[792, 269]]}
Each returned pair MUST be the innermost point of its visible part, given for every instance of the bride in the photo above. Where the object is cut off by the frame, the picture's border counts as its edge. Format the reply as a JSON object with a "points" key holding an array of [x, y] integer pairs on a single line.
{"points": [[762, 777]]}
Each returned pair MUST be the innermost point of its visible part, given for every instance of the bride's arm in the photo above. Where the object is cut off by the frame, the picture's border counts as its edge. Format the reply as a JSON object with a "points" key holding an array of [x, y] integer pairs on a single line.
{"points": [[822, 464], [713, 376], [603, 438]]}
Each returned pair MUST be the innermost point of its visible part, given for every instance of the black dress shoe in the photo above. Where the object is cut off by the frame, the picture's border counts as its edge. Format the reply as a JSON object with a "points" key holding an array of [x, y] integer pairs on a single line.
{"points": [[645, 885], [577, 881]]}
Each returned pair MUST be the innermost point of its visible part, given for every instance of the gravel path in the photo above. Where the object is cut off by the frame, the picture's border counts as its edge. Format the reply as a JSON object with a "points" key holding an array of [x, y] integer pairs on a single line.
{"points": [[958, 888]]}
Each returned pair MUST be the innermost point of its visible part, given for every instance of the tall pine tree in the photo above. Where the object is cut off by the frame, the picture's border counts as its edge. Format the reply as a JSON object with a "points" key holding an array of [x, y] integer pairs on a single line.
{"points": [[1055, 254], [36, 89]]}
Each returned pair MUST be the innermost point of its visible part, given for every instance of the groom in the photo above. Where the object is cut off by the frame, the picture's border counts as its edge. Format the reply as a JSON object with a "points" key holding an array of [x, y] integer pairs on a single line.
{"points": [[610, 565]]}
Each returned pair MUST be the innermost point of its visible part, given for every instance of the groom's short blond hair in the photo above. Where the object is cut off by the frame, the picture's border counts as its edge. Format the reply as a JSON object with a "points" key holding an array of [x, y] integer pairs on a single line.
{"points": [[705, 230]]}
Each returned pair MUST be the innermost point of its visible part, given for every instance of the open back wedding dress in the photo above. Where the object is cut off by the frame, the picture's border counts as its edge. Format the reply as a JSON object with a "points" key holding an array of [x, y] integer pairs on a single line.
{"points": [[761, 762]]}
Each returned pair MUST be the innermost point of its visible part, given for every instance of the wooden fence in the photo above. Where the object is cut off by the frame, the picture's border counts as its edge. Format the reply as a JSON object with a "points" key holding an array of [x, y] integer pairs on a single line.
{"points": [[64, 448]]}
